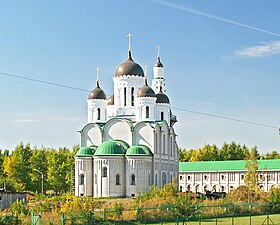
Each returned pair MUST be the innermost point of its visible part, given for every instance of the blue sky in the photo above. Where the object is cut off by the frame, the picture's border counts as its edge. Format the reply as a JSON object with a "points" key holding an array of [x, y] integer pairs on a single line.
{"points": [[211, 65]]}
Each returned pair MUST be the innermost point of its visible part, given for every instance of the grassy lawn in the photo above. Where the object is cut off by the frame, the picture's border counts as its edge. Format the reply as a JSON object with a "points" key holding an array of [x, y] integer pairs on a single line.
{"points": [[256, 220]]}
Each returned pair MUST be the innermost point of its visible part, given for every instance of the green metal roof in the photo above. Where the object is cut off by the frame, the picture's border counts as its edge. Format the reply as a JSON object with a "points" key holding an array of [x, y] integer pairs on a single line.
{"points": [[226, 165], [86, 151], [136, 150], [122, 143], [109, 148], [146, 149]]}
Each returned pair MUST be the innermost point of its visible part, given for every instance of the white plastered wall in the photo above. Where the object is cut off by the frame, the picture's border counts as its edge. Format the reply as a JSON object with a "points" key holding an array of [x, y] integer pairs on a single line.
{"points": [[91, 135]]}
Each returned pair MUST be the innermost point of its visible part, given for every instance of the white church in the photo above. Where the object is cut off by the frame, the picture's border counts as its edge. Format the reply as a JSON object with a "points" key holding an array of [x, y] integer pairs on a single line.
{"points": [[129, 142]]}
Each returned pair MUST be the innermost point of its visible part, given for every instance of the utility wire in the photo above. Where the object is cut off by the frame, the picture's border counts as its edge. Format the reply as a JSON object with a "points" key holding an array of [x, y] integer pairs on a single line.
{"points": [[185, 110], [227, 118], [42, 81]]}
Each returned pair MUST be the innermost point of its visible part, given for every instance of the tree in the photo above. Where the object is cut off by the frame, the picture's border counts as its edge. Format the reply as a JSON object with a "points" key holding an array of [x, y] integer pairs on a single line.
{"points": [[251, 177], [38, 161], [17, 166]]}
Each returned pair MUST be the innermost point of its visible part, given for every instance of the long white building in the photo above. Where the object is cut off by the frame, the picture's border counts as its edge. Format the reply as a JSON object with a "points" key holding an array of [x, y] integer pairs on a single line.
{"points": [[129, 142], [224, 176]]}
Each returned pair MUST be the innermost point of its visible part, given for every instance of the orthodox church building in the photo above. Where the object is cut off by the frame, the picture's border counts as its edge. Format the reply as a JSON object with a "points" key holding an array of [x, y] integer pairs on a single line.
{"points": [[128, 143]]}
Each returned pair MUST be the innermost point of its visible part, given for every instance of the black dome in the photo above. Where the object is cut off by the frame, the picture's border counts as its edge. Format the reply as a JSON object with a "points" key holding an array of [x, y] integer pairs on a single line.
{"points": [[158, 64], [146, 91], [161, 97], [111, 100], [129, 67], [97, 93]]}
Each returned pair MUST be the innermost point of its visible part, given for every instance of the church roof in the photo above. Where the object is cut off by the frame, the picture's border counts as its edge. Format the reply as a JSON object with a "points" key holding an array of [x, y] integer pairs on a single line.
{"points": [[86, 151], [109, 148], [158, 64], [129, 67], [230, 165], [161, 97], [139, 150], [97, 93], [146, 91], [122, 143]]}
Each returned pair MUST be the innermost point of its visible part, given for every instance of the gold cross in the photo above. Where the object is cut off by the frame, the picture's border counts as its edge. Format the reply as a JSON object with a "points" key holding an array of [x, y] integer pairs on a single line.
{"points": [[129, 35], [97, 73], [146, 70], [158, 47]]}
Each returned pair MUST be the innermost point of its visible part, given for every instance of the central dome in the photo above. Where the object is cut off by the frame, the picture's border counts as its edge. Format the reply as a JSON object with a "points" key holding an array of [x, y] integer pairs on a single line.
{"points": [[129, 67]]}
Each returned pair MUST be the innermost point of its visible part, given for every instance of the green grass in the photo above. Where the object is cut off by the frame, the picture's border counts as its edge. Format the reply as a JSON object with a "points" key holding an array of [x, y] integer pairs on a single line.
{"points": [[256, 220]]}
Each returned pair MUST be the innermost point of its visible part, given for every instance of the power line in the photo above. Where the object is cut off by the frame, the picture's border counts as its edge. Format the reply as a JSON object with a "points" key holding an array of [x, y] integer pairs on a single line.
{"points": [[43, 81], [211, 16], [227, 118], [185, 110]]}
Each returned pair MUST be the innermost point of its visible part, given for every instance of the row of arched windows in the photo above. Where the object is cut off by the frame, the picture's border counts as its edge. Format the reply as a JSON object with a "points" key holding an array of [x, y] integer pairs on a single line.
{"points": [[105, 174]]}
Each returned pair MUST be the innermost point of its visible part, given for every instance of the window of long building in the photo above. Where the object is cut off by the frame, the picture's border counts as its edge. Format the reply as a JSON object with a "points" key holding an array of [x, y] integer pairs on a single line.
{"points": [[214, 177], [231, 176], [197, 177], [132, 96]]}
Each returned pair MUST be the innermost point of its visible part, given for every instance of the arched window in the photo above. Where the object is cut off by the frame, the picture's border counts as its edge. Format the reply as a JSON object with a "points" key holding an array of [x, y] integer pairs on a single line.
{"points": [[171, 178], [95, 178], [118, 179], [124, 96], [98, 114], [163, 178], [161, 116], [132, 96], [104, 172], [147, 112], [149, 179], [82, 179], [132, 179]]}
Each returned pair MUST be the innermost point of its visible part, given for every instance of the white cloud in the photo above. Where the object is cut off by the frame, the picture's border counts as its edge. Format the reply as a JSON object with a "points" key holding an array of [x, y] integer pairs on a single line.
{"points": [[262, 50]]}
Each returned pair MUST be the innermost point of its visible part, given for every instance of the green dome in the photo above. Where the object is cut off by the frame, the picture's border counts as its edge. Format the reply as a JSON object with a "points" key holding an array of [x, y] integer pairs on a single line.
{"points": [[85, 151], [109, 148], [135, 150], [139, 150], [122, 143]]}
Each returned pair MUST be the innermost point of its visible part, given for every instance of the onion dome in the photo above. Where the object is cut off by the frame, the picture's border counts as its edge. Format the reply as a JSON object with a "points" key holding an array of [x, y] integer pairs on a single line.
{"points": [[97, 93], [86, 151], [111, 100], [158, 64], [109, 148], [129, 67], [146, 91], [161, 97]]}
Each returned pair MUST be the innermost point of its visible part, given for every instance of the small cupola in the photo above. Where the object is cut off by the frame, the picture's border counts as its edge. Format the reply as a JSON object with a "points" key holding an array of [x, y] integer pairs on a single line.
{"points": [[145, 90], [97, 93], [158, 64], [161, 97]]}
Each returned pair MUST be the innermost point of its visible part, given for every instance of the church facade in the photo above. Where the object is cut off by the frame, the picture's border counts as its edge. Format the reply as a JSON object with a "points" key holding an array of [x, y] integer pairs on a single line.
{"points": [[129, 142]]}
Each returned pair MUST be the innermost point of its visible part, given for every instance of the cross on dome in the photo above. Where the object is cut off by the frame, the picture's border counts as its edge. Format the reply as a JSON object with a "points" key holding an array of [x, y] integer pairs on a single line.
{"points": [[129, 35]]}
